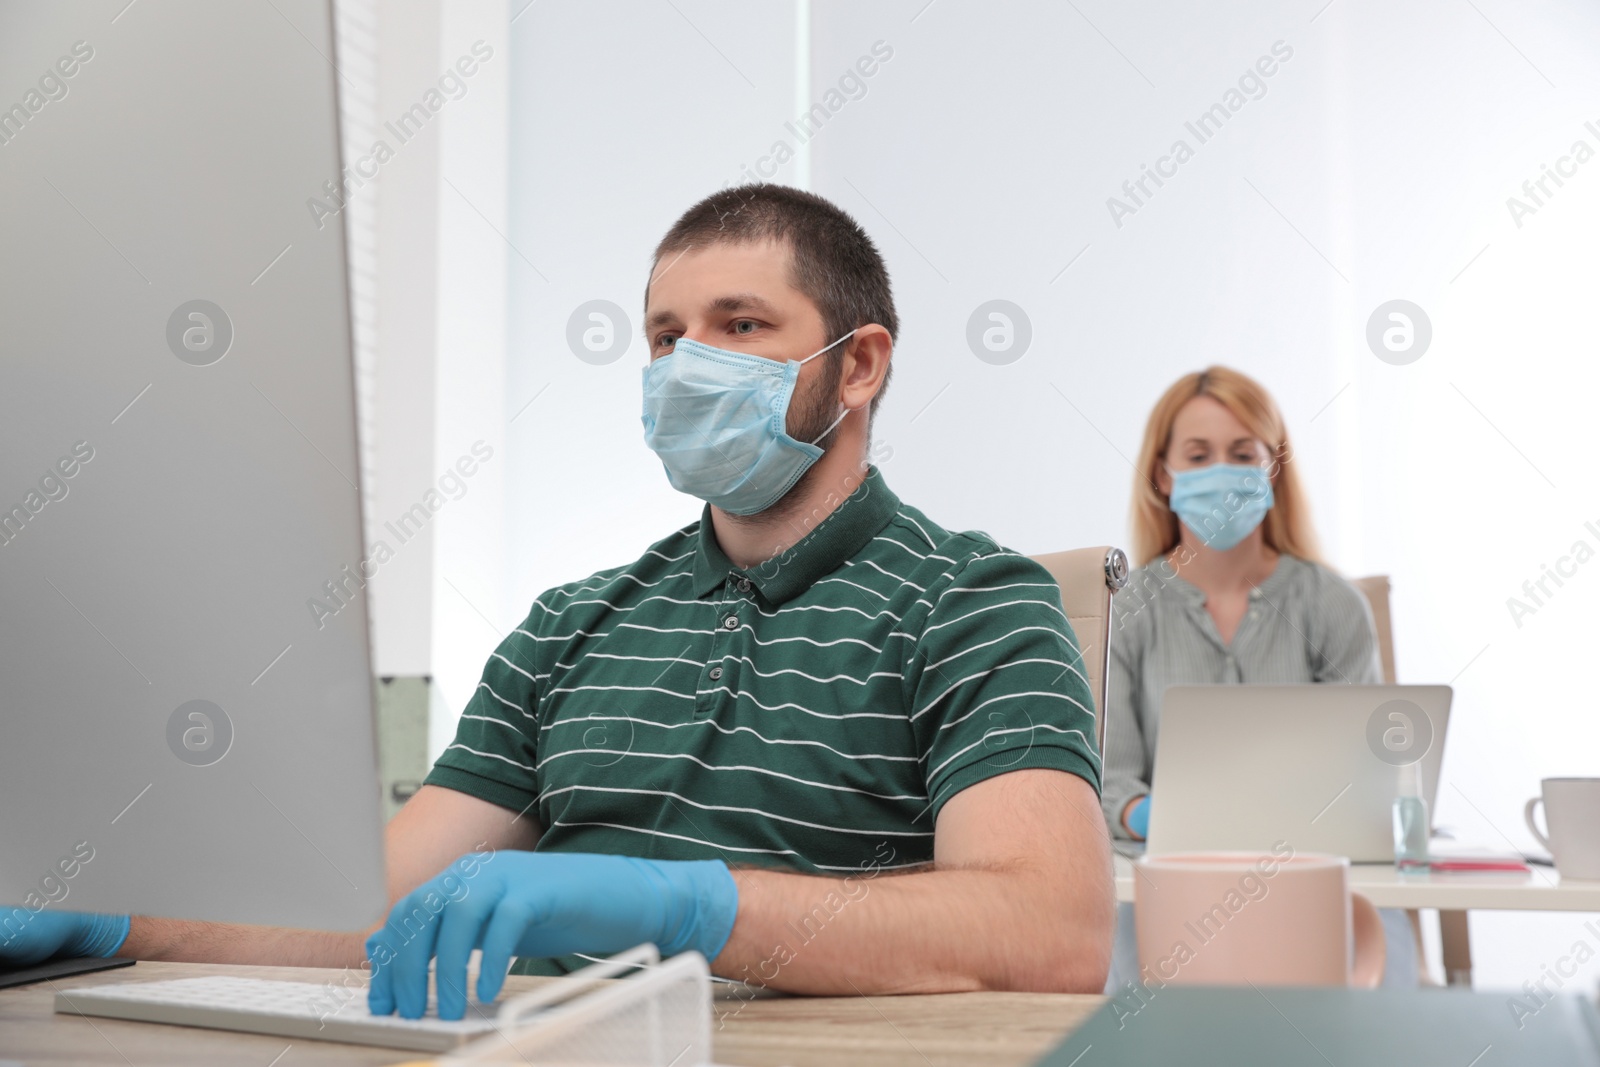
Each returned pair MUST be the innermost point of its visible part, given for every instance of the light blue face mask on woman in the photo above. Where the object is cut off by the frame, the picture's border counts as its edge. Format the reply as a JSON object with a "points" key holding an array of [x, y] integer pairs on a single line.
{"points": [[717, 419], [1221, 503]]}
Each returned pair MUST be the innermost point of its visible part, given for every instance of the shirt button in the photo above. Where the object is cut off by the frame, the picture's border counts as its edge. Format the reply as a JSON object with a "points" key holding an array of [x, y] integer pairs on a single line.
{"points": [[731, 622], [744, 585], [716, 672]]}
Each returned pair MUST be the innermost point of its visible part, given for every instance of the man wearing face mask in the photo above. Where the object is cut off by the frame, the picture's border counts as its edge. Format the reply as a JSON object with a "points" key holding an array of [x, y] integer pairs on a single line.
{"points": [[832, 746]]}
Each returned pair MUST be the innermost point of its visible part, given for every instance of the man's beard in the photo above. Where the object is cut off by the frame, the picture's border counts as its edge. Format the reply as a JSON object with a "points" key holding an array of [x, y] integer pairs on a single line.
{"points": [[810, 417]]}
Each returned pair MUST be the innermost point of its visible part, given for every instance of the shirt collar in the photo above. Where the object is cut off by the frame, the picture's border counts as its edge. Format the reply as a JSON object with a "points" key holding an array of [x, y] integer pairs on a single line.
{"points": [[843, 533], [1270, 586], [1281, 576]]}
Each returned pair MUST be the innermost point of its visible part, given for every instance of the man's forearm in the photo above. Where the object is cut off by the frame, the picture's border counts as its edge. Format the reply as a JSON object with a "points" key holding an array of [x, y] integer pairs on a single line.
{"points": [[180, 940], [931, 931]]}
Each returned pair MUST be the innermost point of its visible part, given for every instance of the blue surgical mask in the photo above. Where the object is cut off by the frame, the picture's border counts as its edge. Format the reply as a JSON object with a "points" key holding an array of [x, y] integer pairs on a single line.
{"points": [[1221, 503], [717, 419]]}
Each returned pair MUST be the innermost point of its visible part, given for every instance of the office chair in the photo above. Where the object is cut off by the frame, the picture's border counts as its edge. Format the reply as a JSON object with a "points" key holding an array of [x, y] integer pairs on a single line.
{"points": [[1088, 577], [1376, 590]]}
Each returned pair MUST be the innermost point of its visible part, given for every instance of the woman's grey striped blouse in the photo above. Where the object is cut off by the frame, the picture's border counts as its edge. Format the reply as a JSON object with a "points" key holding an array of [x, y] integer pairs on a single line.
{"points": [[1304, 624]]}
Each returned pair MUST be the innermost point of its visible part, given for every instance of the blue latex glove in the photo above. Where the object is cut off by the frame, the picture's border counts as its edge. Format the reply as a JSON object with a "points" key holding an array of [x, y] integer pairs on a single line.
{"points": [[540, 904], [1139, 817], [28, 937]]}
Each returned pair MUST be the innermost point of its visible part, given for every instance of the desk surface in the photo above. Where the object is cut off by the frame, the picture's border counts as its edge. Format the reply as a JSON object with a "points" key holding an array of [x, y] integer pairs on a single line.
{"points": [[1541, 889], [914, 1031]]}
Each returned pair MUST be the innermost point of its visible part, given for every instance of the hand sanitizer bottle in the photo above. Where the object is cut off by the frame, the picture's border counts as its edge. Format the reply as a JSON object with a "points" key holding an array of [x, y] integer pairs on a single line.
{"points": [[1411, 822]]}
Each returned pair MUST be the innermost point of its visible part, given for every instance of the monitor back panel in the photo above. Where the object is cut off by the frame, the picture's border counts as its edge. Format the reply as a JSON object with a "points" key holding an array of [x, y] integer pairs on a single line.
{"points": [[186, 718]]}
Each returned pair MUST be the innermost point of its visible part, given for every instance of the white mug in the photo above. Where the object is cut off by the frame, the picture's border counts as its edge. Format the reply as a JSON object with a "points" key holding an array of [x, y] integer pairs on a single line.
{"points": [[1572, 811]]}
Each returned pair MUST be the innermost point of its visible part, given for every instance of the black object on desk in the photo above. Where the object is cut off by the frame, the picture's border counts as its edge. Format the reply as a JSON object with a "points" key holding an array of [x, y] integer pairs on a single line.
{"points": [[65, 968], [1302, 1027]]}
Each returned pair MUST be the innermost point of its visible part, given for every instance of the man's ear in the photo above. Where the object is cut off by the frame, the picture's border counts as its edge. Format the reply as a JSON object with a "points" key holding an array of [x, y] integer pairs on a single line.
{"points": [[866, 365]]}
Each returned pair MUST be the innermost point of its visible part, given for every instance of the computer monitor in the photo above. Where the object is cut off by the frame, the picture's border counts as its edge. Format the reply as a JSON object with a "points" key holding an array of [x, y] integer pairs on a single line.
{"points": [[186, 707]]}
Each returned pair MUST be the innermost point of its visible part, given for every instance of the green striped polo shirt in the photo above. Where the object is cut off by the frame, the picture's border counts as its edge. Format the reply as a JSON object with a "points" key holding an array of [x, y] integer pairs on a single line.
{"points": [[813, 712]]}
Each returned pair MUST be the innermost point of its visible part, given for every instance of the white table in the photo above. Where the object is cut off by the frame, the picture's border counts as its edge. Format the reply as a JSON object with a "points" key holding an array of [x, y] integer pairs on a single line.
{"points": [[1541, 889]]}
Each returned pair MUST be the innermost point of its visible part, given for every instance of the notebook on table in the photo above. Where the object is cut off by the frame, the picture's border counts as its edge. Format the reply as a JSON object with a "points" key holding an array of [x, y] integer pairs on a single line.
{"points": [[65, 968], [1301, 1027]]}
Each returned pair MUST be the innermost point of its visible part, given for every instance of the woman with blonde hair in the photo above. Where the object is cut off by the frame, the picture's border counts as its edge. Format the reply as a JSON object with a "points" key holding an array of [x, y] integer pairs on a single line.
{"points": [[1229, 588]]}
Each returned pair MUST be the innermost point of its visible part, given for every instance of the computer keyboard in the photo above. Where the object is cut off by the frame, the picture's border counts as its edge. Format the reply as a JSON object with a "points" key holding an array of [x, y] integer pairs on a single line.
{"points": [[285, 1009]]}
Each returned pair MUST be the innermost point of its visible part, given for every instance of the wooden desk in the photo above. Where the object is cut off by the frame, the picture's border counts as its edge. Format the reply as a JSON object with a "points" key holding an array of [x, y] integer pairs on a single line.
{"points": [[913, 1031], [1541, 889]]}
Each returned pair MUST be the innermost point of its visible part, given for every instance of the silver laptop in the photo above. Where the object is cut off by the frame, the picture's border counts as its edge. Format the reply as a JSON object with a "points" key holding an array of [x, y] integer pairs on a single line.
{"points": [[1317, 766]]}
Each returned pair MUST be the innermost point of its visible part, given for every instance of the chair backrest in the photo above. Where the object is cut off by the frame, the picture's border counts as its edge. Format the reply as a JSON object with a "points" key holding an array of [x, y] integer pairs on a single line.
{"points": [[1376, 590], [1088, 577]]}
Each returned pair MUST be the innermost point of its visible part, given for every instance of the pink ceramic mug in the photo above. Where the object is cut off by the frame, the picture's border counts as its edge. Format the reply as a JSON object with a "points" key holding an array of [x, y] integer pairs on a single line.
{"points": [[1271, 918]]}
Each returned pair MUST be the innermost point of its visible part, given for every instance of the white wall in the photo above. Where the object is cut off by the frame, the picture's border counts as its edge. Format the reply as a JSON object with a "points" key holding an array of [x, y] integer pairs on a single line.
{"points": [[470, 614], [1376, 166], [404, 201], [434, 215], [1471, 470], [622, 115]]}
